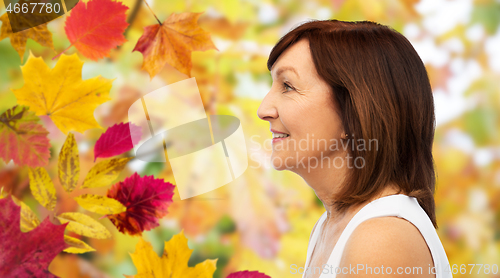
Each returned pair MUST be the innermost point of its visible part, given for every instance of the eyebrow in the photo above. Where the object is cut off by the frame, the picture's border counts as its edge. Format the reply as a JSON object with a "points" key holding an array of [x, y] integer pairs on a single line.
{"points": [[285, 68]]}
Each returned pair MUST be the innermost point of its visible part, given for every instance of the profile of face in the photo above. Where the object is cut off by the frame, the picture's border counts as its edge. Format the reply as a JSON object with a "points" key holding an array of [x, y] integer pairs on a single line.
{"points": [[300, 107]]}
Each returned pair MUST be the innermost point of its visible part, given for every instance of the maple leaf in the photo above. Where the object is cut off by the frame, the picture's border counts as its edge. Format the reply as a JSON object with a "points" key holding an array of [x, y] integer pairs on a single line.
{"points": [[172, 42], [18, 40], [27, 254], [248, 274], [173, 263], [29, 221], [61, 93], [146, 199], [22, 139], [117, 140], [96, 27]]}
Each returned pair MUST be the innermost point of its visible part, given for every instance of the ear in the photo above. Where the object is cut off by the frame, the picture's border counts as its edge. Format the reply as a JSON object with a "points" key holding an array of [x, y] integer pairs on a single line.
{"points": [[343, 135]]}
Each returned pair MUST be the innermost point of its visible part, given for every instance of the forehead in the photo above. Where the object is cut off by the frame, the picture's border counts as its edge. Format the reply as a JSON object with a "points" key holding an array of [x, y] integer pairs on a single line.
{"points": [[295, 59]]}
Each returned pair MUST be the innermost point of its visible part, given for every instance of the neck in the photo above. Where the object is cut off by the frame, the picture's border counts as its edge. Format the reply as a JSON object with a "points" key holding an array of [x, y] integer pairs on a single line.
{"points": [[326, 182]]}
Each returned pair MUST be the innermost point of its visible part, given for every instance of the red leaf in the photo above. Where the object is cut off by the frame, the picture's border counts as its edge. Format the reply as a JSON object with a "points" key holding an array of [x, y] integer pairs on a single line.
{"points": [[27, 254], [248, 274], [22, 138], [146, 198], [96, 27], [117, 140]]}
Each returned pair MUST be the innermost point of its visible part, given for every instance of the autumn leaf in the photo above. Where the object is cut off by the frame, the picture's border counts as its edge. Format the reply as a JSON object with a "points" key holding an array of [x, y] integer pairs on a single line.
{"points": [[77, 246], [84, 225], [173, 263], [117, 139], [146, 198], [248, 274], [100, 204], [96, 27], [172, 42], [27, 254], [61, 93], [42, 187], [18, 40], [29, 221], [22, 139], [69, 164], [105, 172]]}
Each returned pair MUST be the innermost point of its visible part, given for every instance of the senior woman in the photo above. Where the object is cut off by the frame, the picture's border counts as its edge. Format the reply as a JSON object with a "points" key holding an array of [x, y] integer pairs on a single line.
{"points": [[357, 95]]}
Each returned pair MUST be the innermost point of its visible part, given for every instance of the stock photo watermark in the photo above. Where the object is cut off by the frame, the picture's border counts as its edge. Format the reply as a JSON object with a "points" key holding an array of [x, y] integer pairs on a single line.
{"points": [[303, 153], [364, 269]]}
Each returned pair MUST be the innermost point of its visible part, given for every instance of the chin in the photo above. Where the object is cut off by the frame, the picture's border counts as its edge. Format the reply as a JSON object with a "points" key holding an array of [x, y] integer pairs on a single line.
{"points": [[278, 162]]}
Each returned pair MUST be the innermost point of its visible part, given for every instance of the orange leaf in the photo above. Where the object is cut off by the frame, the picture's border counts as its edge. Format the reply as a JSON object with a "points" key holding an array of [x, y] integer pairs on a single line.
{"points": [[172, 42], [18, 40], [96, 27]]}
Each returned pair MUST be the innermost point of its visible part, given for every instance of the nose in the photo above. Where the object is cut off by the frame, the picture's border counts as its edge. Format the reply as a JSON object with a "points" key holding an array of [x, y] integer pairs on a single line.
{"points": [[267, 109]]}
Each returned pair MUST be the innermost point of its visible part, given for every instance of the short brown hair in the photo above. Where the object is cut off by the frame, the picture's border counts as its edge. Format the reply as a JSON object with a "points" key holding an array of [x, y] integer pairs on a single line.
{"points": [[382, 90]]}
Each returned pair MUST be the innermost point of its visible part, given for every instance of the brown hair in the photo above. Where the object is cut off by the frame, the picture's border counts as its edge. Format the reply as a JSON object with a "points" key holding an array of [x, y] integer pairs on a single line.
{"points": [[382, 90]]}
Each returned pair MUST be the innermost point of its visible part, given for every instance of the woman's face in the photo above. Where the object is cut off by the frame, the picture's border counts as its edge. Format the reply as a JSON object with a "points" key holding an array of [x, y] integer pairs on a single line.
{"points": [[299, 106]]}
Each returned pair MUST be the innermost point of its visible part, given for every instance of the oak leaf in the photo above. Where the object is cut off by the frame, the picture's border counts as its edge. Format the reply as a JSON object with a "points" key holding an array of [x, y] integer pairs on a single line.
{"points": [[100, 204], [22, 139], [84, 225], [61, 93], [69, 164], [105, 172], [42, 187], [117, 139], [173, 263], [172, 42], [18, 40], [96, 27], [146, 198], [27, 254]]}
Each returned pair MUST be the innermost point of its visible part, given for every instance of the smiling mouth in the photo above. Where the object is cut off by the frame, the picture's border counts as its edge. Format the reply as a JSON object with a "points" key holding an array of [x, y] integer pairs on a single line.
{"points": [[280, 135]]}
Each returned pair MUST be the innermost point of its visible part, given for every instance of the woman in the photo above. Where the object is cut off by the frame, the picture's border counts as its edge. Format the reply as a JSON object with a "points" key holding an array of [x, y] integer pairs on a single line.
{"points": [[351, 111]]}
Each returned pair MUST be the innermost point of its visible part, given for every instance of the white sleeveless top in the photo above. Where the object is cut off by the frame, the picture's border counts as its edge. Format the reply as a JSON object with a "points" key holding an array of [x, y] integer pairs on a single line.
{"points": [[398, 205]]}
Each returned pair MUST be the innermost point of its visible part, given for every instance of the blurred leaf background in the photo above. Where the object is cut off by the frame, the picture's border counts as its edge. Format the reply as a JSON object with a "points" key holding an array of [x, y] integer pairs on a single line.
{"points": [[262, 220]]}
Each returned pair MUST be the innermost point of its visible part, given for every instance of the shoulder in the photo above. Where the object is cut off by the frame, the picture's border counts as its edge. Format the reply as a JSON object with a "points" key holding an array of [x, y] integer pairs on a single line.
{"points": [[390, 242]]}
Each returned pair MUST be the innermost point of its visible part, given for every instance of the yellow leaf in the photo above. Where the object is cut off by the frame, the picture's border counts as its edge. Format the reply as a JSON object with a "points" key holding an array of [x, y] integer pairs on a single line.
{"points": [[77, 246], [84, 225], [69, 164], [173, 263], [100, 204], [42, 187], [105, 172], [39, 33], [3, 194], [61, 93], [29, 220]]}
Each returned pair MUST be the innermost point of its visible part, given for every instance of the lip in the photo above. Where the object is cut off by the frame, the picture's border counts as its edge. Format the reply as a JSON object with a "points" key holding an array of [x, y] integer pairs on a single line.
{"points": [[275, 131], [275, 140]]}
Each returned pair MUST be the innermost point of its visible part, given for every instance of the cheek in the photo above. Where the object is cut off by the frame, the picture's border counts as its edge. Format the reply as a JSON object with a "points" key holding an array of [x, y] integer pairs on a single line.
{"points": [[324, 127], [293, 116]]}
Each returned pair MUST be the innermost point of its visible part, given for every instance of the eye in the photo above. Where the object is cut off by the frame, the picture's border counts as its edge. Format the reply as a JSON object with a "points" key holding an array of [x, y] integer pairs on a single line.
{"points": [[286, 86]]}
